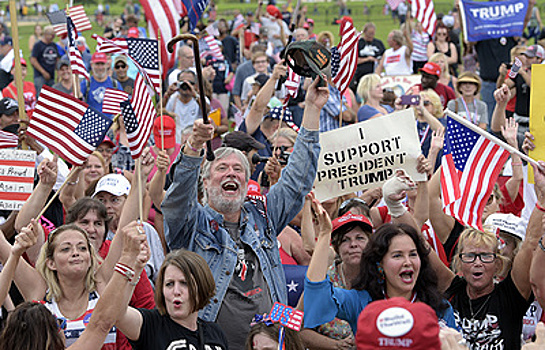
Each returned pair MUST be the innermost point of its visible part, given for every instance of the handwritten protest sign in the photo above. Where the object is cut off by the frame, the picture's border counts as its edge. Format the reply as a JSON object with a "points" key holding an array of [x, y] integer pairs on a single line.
{"points": [[493, 19], [16, 177], [400, 83], [366, 154]]}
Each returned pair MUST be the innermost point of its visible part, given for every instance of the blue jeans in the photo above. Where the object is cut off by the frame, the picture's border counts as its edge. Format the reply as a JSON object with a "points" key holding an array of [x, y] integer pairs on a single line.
{"points": [[40, 81], [487, 95]]}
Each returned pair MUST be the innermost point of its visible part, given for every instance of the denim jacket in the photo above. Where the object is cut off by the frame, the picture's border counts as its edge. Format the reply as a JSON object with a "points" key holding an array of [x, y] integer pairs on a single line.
{"points": [[199, 228]]}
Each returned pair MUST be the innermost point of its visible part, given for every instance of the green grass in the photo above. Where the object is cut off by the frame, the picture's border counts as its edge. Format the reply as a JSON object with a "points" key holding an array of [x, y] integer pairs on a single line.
{"points": [[326, 13]]}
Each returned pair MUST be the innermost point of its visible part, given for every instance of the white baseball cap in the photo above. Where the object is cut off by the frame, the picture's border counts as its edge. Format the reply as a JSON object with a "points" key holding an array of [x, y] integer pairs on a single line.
{"points": [[115, 184], [508, 223]]}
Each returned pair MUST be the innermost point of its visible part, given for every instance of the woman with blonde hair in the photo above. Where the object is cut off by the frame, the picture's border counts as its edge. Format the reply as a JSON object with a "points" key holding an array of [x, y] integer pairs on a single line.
{"points": [[325, 38], [370, 89], [445, 78]]}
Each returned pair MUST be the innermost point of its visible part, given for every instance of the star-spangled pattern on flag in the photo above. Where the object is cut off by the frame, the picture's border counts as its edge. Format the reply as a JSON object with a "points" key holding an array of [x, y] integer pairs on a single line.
{"points": [[76, 62], [68, 126], [143, 52], [348, 51], [335, 61], [138, 116], [394, 3], [8, 140], [292, 83], [287, 316], [77, 13], [112, 100], [470, 167]]}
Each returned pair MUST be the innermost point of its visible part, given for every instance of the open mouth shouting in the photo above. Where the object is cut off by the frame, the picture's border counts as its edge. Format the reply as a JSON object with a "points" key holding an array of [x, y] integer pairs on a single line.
{"points": [[230, 187], [407, 276]]}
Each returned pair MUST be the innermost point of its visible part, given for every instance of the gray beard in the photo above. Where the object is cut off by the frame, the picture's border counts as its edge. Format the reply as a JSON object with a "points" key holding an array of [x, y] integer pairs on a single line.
{"points": [[221, 204]]}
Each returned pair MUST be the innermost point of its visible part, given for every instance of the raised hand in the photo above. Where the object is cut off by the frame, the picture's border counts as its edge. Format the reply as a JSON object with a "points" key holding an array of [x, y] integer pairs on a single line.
{"points": [[47, 171], [509, 131], [26, 238]]}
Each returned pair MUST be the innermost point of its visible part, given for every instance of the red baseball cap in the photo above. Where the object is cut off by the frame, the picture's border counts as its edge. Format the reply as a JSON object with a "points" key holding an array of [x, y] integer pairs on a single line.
{"points": [[431, 68], [99, 57], [397, 323], [350, 218], [169, 131], [108, 141], [133, 32], [274, 11]]}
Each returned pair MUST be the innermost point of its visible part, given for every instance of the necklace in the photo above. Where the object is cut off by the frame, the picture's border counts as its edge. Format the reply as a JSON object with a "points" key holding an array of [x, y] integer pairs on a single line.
{"points": [[473, 314]]}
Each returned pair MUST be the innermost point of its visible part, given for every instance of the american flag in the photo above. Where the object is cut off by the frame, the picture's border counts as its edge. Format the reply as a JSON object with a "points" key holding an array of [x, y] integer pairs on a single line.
{"points": [[348, 52], [163, 17], [424, 12], [77, 13], [143, 52], [335, 61], [112, 99], [68, 126], [138, 116], [292, 83], [76, 62], [193, 9], [470, 166], [394, 3], [8, 140], [208, 46]]}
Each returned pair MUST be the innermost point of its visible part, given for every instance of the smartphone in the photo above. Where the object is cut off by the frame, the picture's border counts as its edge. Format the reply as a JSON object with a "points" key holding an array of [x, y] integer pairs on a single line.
{"points": [[410, 99]]}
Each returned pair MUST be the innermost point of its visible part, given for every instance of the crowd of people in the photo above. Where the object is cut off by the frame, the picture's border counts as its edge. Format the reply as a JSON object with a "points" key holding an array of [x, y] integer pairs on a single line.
{"points": [[221, 241]]}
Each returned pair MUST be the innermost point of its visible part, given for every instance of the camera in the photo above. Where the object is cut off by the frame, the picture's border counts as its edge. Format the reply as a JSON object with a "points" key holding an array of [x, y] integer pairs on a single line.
{"points": [[183, 85], [282, 159]]}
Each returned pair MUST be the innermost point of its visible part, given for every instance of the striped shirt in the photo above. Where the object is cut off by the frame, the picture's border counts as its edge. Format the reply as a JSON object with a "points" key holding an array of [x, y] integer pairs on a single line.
{"points": [[420, 46]]}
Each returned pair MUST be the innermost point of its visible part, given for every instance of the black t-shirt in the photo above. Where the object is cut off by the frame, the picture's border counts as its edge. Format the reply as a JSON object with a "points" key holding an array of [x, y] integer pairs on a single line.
{"points": [[47, 55], [222, 68], [491, 54], [496, 320], [452, 241], [161, 333], [522, 105], [230, 48], [374, 48]]}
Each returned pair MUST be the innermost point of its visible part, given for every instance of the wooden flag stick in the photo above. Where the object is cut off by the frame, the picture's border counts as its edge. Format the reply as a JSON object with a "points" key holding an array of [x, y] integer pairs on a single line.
{"points": [[68, 178], [341, 112], [161, 95], [279, 126], [17, 62], [139, 179], [490, 137]]}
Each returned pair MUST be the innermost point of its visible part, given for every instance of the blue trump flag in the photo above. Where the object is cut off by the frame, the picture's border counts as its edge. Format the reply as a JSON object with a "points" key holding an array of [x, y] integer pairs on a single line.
{"points": [[493, 19], [194, 9]]}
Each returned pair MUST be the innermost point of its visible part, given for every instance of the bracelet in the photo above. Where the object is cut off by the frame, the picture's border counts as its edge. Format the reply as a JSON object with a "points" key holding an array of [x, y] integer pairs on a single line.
{"points": [[539, 207], [72, 182], [540, 243], [516, 163], [128, 273], [191, 147]]}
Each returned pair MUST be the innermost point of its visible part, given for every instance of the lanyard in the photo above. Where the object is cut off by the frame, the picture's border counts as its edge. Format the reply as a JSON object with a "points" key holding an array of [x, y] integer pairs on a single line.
{"points": [[473, 119], [423, 138]]}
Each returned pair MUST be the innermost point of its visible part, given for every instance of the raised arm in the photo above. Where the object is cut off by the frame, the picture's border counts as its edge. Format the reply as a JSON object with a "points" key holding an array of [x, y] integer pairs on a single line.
{"points": [[512, 185], [520, 273], [502, 95], [24, 240], [114, 300], [263, 97], [317, 269], [394, 191], [157, 183], [441, 222]]}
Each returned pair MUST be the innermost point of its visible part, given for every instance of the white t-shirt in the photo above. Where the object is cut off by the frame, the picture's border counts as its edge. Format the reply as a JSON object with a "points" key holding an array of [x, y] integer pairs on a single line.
{"points": [[186, 113], [7, 62], [395, 62]]}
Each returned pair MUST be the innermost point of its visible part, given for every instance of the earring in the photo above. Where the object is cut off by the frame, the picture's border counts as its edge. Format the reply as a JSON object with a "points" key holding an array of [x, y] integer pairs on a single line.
{"points": [[381, 274]]}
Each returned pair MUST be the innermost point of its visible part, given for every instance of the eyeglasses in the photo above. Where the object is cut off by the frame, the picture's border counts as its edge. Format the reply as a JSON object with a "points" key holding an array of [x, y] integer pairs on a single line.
{"points": [[427, 103], [441, 33], [120, 66], [61, 323], [471, 257], [260, 62]]}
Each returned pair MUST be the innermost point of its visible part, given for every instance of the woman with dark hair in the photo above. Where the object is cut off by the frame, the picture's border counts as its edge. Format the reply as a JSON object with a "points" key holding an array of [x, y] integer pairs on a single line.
{"points": [[441, 43], [265, 337], [394, 264], [184, 286]]}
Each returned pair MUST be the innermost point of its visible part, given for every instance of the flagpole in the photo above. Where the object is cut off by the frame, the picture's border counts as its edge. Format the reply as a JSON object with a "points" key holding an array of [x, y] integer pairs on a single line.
{"points": [[161, 94], [75, 77], [17, 62], [68, 177], [139, 179], [279, 126], [490, 137], [341, 114]]}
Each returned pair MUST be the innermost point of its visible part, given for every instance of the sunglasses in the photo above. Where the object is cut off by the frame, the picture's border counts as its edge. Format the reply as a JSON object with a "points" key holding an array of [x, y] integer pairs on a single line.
{"points": [[120, 66], [442, 34]]}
